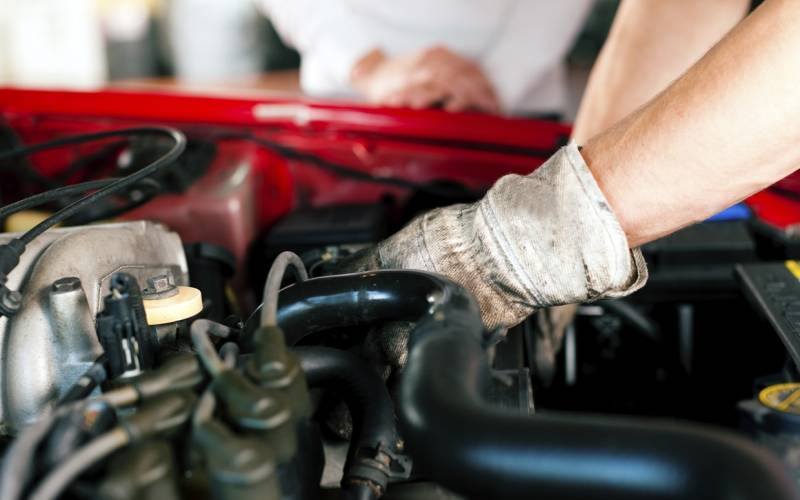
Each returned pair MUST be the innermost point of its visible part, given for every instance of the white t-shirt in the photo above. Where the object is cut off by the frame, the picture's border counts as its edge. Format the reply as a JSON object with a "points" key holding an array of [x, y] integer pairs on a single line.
{"points": [[520, 44]]}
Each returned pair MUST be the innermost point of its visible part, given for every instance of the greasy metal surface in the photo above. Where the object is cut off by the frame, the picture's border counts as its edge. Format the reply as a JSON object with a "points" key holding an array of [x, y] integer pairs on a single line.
{"points": [[51, 340]]}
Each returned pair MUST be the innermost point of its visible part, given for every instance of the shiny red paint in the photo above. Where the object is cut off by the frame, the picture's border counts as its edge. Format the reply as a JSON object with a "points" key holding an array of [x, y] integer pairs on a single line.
{"points": [[420, 146]]}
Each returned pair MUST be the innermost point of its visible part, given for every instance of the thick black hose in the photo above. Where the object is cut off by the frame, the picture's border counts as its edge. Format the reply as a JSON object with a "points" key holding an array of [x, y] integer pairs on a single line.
{"points": [[363, 390], [359, 492], [482, 452], [360, 299], [374, 425]]}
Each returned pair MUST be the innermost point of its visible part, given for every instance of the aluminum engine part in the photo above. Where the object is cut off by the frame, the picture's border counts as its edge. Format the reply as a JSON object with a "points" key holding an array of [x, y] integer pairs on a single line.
{"points": [[51, 341]]}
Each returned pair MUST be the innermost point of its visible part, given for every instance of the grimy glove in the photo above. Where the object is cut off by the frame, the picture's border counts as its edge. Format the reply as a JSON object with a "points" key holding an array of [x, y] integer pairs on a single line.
{"points": [[533, 241]]}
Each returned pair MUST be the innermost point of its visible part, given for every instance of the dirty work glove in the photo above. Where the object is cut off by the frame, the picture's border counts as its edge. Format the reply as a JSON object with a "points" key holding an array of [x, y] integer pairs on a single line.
{"points": [[533, 241]]}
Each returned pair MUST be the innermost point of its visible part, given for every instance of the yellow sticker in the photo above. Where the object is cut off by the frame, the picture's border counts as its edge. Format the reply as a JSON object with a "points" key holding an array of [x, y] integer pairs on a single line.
{"points": [[794, 267]]}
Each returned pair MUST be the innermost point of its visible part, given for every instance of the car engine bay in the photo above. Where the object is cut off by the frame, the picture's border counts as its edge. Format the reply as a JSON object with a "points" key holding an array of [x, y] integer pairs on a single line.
{"points": [[174, 322]]}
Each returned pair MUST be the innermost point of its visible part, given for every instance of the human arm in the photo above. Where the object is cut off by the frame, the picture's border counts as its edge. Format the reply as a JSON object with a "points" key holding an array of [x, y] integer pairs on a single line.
{"points": [[723, 131], [651, 43], [562, 234]]}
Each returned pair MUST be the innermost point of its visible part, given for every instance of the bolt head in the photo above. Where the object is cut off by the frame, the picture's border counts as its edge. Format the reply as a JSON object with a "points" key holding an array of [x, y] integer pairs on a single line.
{"points": [[160, 286], [12, 300], [159, 283], [69, 284]]}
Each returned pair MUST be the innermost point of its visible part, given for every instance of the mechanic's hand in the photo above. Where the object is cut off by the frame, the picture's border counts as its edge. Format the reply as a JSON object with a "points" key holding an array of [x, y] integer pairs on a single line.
{"points": [[534, 241], [435, 77]]}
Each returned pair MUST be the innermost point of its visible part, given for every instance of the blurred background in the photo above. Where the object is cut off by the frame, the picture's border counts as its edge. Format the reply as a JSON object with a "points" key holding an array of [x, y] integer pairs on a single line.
{"points": [[204, 45]]}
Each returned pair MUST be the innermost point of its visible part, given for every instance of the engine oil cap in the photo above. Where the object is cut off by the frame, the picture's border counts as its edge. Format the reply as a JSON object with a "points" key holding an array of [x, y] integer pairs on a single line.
{"points": [[184, 304], [782, 397]]}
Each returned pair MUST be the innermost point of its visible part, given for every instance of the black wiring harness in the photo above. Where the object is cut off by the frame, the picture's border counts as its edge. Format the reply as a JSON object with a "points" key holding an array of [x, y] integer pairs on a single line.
{"points": [[10, 300]]}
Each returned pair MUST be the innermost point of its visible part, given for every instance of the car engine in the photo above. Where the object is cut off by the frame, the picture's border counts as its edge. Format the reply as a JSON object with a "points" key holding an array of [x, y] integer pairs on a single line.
{"points": [[148, 353]]}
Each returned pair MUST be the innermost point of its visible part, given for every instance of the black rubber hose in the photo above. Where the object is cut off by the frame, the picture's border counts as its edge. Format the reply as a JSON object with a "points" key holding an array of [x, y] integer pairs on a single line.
{"points": [[359, 492], [360, 299], [363, 390], [372, 410], [482, 452], [485, 452]]}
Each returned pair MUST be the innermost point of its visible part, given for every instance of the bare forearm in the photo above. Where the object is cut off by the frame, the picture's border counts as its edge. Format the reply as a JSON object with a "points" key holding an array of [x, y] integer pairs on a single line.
{"points": [[721, 132], [651, 43]]}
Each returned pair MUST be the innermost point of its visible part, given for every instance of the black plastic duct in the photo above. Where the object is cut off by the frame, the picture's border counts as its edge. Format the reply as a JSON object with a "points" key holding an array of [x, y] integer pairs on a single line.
{"points": [[482, 452]]}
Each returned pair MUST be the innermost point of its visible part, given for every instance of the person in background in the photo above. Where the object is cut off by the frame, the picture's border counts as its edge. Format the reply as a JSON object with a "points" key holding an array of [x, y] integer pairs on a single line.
{"points": [[495, 56]]}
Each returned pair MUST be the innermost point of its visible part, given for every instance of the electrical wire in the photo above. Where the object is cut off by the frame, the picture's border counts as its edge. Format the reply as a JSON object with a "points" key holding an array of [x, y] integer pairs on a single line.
{"points": [[75, 207], [19, 458], [93, 377], [342, 170], [204, 348], [52, 195], [151, 187], [85, 161], [18, 462], [272, 287], [204, 410], [62, 476], [229, 352], [25, 170]]}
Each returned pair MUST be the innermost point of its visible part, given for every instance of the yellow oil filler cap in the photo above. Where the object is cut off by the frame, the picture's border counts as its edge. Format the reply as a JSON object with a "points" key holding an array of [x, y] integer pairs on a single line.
{"points": [[167, 303]]}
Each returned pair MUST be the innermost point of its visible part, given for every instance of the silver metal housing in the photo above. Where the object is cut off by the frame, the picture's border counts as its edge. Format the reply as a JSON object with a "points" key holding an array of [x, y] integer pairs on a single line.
{"points": [[51, 341]]}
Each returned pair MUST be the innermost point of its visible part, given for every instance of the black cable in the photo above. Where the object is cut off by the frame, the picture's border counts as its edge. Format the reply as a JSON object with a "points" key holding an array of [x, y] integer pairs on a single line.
{"points": [[93, 377], [23, 168], [52, 195], [342, 170], [151, 186], [27, 150], [10, 252], [85, 161], [77, 206]]}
